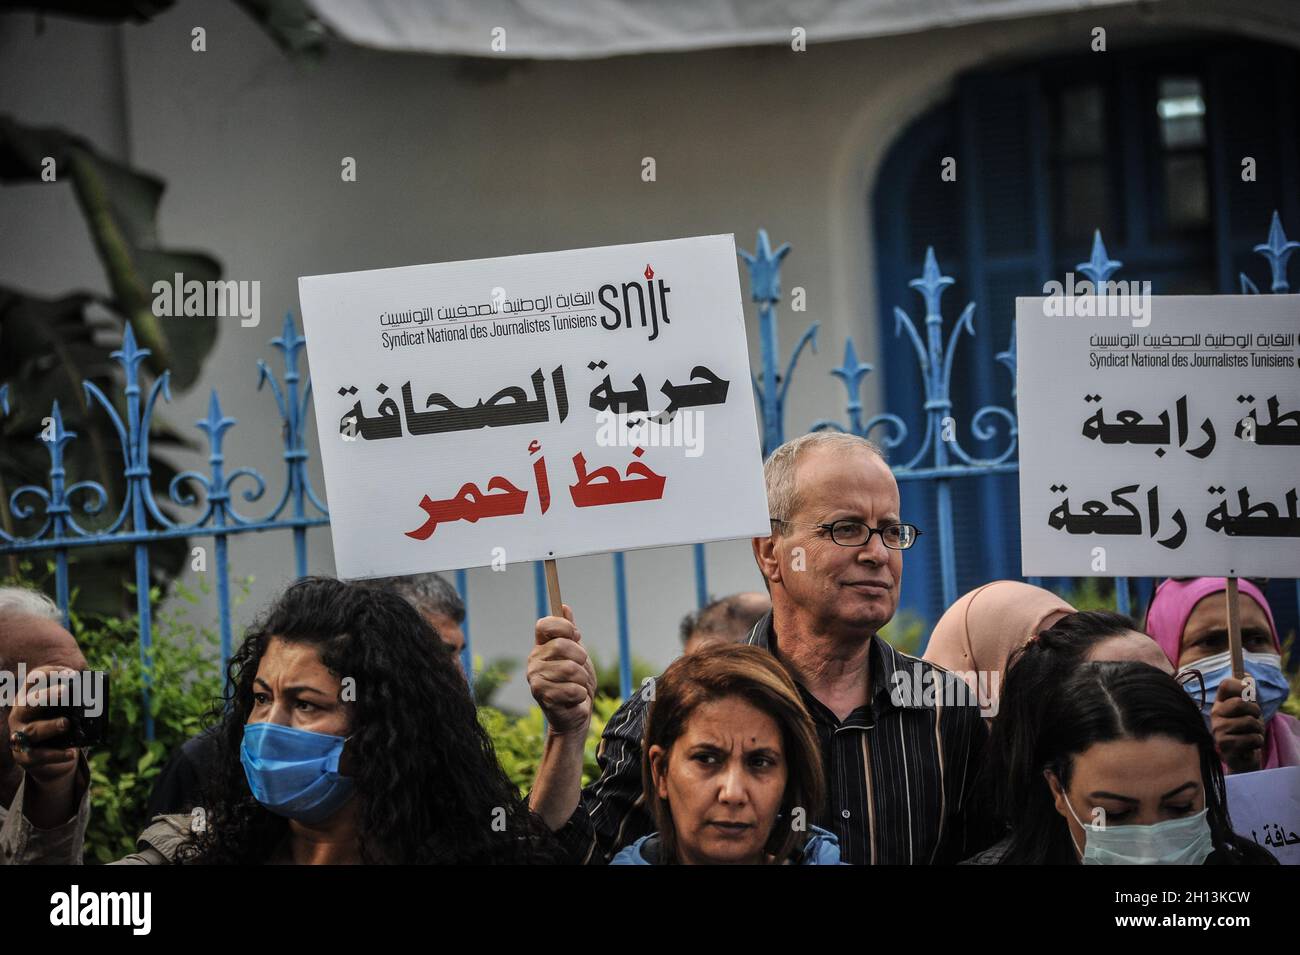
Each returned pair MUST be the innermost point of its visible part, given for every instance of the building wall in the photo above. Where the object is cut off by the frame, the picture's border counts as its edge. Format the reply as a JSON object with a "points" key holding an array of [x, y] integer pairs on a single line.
{"points": [[462, 160]]}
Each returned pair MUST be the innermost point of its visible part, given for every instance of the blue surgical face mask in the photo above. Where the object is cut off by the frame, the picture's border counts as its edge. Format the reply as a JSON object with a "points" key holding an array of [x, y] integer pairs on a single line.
{"points": [[1271, 686], [295, 773], [1184, 841]]}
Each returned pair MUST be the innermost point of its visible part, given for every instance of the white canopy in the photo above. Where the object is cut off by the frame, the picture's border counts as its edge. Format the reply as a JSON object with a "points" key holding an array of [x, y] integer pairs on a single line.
{"points": [[576, 29]]}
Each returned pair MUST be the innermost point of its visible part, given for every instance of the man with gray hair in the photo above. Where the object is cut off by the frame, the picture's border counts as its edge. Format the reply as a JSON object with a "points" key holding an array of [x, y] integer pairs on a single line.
{"points": [[725, 620], [435, 598], [900, 766], [44, 791]]}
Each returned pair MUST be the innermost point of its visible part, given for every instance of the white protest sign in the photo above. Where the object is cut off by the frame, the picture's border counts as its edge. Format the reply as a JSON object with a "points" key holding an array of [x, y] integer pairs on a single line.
{"points": [[534, 406], [1265, 806], [1166, 442]]}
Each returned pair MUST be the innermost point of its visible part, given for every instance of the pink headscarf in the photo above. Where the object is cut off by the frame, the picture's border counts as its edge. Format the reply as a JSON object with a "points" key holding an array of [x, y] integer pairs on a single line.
{"points": [[1167, 616], [985, 627]]}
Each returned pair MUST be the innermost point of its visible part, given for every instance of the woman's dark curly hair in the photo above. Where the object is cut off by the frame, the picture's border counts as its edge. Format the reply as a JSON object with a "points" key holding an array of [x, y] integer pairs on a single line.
{"points": [[427, 777]]}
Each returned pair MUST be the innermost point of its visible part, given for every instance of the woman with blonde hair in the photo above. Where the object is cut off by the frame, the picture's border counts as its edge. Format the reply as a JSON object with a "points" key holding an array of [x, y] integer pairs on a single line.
{"points": [[731, 767]]}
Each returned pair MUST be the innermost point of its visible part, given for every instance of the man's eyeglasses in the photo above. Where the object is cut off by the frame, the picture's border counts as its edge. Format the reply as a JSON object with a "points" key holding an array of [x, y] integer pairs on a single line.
{"points": [[849, 533]]}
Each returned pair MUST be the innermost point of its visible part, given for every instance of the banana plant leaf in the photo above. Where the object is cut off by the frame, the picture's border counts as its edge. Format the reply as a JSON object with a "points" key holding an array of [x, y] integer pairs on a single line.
{"points": [[49, 346], [121, 208], [290, 23]]}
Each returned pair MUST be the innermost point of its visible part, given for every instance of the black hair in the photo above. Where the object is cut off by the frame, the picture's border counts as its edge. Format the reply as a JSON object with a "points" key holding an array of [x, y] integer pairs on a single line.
{"points": [[687, 627], [1099, 702], [1033, 673], [1075, 634], [429, 784]]}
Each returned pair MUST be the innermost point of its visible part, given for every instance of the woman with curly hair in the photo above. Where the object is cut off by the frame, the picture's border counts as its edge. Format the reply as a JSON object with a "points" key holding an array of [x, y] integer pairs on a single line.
{"points": [[348, 736]]}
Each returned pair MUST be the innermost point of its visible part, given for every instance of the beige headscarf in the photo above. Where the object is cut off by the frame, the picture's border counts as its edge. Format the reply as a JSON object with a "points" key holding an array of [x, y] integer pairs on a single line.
{"points": [[983, 628]]}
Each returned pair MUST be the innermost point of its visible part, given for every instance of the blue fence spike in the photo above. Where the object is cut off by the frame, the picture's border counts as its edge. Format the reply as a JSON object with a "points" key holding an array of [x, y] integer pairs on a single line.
{"points": [[215, 425], [932, 283], [1100, 266], [851, 373], [765, 269], [1277, 250], [1008, 358]]}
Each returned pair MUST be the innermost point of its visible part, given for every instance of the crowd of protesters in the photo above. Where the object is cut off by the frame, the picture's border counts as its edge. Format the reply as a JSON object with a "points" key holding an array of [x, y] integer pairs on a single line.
{"points": [[788, 732]]}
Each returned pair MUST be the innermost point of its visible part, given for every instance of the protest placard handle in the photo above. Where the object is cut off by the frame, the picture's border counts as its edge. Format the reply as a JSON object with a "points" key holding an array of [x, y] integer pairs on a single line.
{"points": [[1234, 630], [553, 589]]}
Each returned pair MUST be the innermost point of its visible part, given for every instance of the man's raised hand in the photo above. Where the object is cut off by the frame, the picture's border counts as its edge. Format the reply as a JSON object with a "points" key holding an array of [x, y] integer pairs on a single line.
{"points": [[560, 675]]}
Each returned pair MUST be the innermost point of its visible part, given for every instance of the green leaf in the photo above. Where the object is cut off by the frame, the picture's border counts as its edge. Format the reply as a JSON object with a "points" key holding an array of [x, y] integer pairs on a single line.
{"points": [[120, 205], [291, 23]]}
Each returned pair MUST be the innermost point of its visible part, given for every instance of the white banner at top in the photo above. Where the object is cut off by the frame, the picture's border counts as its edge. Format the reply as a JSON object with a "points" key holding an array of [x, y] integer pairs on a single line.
{"points": [[576, 29]]}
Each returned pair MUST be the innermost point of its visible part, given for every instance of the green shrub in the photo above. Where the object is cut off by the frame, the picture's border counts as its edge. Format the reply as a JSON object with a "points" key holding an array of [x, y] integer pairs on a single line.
{"points": [[1291, 704], [607, 681], [904, 632], [519, 740], [489, 677], [1093, 593], [185, 685]]}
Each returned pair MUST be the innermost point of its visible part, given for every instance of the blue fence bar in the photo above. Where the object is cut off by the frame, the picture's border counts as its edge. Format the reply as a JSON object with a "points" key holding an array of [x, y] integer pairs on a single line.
{"points": [[620, 610], [1277, 250], [1098, 269], [539, 589], [765, 288], [701, 580]]}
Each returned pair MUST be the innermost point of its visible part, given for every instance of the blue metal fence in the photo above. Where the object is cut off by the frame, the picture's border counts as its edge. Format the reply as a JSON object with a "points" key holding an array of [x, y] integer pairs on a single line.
{"points": [[141, 520], [940, 460]]}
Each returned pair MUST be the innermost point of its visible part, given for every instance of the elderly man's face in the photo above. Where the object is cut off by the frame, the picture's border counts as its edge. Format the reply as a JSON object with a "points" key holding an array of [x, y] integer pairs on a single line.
{"points": [[449, 630], [36, 642], [853, 586]]}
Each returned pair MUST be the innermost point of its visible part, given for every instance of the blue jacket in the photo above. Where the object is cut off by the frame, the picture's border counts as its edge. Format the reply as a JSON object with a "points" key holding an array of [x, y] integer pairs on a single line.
{"points": [[822, 848]]}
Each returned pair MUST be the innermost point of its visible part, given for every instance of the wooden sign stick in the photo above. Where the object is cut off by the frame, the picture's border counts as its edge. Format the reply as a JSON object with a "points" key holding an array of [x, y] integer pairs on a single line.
{"points": [[1234, 630], [553, 591]]}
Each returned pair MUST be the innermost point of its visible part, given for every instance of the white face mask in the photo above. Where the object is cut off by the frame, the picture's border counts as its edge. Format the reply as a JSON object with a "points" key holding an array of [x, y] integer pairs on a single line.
{"points": [[1184, 841]]}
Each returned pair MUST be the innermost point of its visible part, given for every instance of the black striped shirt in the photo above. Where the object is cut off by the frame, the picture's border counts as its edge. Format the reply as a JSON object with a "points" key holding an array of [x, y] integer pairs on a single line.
{"points": [[900, 771]]}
